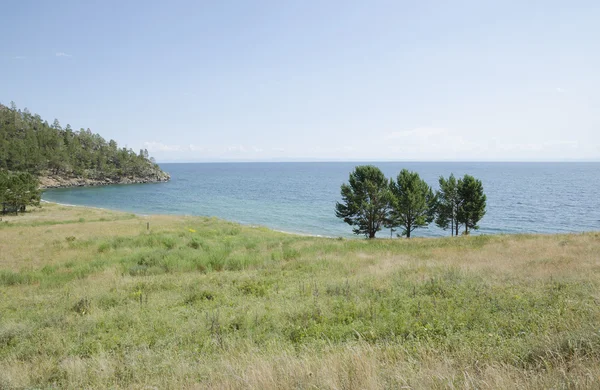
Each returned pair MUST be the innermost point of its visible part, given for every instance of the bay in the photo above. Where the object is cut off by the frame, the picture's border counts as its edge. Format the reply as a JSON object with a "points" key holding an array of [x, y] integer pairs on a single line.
{"points": [[300, 197]]}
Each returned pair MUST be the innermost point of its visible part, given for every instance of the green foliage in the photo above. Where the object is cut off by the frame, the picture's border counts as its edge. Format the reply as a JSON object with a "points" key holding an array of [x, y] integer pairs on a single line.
{"points": [[17, 191], [30, 144], [408, 202], [412, 202], [447, 204], [365, 200], [473, 202], [460, 202]]}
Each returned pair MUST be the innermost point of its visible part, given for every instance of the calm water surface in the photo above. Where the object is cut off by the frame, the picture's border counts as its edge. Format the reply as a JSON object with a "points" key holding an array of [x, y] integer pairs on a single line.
{"points": [[300, 197]]}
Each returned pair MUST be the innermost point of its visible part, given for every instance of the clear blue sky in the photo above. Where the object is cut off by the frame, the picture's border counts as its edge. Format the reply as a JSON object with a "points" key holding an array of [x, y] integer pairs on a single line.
{"points": [[313, 80]]}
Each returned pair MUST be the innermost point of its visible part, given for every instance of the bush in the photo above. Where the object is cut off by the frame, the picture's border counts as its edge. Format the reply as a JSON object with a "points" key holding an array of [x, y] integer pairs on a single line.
{"points": [[17, 191]]}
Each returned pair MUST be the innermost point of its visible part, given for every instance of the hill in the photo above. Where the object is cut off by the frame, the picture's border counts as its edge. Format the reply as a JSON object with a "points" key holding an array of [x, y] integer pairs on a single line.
{"points": [[99, 299], [62, 157]]}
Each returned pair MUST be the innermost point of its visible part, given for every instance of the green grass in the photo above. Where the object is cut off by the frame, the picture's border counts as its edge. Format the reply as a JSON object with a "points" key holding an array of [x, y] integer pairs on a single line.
{"points": [[199, 302], [6, 224]]}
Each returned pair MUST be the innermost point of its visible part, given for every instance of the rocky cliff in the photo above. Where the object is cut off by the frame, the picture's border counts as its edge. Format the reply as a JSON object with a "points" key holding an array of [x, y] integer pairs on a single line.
{"points": [[61, 181]]}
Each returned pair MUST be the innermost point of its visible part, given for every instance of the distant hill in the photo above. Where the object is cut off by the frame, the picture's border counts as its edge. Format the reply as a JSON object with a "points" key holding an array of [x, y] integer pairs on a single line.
{"points": [[62, 157]]}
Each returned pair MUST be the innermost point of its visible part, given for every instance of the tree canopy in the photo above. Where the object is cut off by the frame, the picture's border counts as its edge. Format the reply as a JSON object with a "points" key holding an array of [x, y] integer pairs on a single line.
{"points": [[412, 202], [365, 200], [17, 191], [369, 202], [448, 204], [473, 202], [30, 144]]}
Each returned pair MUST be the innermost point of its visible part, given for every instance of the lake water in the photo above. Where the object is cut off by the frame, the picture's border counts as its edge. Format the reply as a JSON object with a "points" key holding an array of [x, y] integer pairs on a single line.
{"points": [[301, 197]]}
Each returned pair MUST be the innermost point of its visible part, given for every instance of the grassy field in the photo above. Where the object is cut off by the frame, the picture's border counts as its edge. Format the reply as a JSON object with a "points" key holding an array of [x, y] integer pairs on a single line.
{"points": [[93, 299]]}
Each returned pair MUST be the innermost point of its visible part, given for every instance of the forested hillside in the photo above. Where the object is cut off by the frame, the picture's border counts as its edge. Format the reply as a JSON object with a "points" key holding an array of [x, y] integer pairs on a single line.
{"points": [[63, 157]]}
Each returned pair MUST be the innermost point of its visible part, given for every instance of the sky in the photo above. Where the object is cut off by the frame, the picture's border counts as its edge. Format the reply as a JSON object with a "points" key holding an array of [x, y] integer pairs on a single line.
{"points": [[313, 80]]}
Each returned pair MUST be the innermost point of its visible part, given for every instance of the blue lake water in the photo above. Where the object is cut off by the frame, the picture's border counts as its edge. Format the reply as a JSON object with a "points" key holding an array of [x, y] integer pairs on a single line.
{"points": [[300, 197]]}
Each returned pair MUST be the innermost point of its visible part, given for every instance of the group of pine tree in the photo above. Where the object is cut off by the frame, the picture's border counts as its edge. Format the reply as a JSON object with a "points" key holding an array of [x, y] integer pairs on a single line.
{"points": [[370, 202], [30, 147]]}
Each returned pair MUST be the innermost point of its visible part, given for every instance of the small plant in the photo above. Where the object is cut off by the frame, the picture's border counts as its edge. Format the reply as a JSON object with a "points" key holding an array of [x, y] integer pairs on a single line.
{"points": [[233, 231], [138, 270], [149, 259], [49, 269], [104, 247], [214, 327], [169, 242], [217, 258], [70, 238], [140, 296], [82, 306], [290, 253], [9, 278], [256, 288], [194, 244], [197, 296]]}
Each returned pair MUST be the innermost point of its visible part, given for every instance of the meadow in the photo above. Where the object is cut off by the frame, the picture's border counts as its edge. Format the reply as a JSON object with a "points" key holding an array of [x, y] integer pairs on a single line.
{"points": [[93, 298]]}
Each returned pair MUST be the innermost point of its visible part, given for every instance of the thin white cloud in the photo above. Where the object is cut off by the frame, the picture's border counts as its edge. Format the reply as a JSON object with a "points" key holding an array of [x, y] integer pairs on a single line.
{"points": [[428, 143], [236, 149], [445, 143], [19, 57], [160, 147], [417, 132], [553, 146], [195, 148], [559, 90], [63, 54], [241, 149]]}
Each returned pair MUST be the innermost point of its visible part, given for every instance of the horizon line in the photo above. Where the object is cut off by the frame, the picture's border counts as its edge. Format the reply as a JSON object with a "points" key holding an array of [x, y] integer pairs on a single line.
{"points": [[373, 161]]}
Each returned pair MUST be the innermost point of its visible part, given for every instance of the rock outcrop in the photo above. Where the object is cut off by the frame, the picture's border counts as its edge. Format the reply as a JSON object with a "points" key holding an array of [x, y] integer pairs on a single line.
{"points": [[60, 181]]}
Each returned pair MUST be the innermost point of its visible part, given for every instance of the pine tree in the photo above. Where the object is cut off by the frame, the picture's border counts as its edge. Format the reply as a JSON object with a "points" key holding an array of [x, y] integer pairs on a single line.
{"points": [[17, 191], [30, 144], [473, 202], [447, 205], [412, 202], [365, 200]]}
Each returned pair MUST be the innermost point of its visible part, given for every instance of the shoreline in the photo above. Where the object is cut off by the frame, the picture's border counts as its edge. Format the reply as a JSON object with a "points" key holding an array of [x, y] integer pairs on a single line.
{"points": [[302, 234], [52, 182], [93, 208], [253, 226]]}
